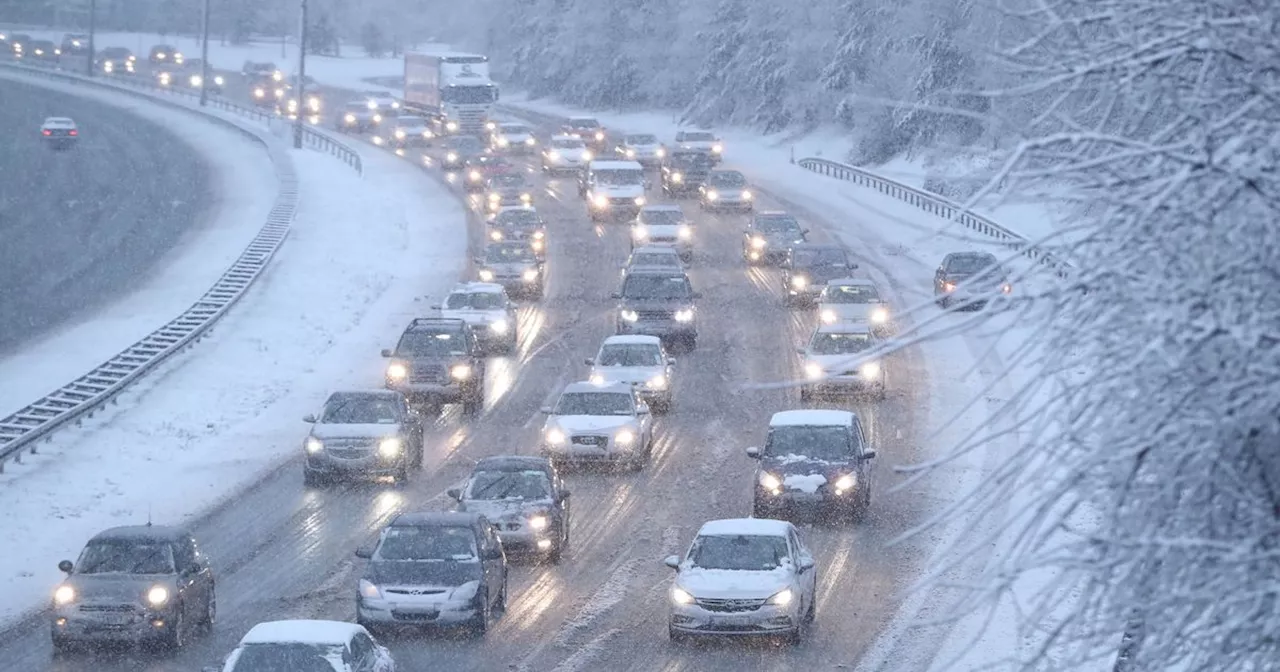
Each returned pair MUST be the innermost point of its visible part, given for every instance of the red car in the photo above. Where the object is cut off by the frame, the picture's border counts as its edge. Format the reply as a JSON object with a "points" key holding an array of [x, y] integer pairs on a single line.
{"points": [[480, 169]]}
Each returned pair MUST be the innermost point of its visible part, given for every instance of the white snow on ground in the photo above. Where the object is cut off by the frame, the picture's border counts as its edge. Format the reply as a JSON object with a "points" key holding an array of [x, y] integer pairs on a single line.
{"points": [[245, 185], [211, 421]]}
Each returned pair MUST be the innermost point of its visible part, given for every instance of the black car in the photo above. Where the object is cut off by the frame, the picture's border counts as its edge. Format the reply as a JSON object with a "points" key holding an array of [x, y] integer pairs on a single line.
{"points": [[141, 584], [769, 235], [438, 361], [268, 92], [684, 172], [116, 61], [433, 569], [164, 54], [658, 303], [18, 43], [813, 462], [969, 279], [75, 43], [459, 149], [524, 224], [192, 76], [363, 433], [44, 51], [525, 499], [807, 268]]}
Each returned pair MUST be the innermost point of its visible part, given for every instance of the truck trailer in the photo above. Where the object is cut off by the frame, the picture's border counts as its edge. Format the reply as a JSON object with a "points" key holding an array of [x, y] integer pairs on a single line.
{"points": [[453, 91]]}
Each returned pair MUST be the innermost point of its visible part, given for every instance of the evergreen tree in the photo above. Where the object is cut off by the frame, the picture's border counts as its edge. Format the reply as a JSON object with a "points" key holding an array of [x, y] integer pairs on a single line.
{"points": [[372, 39], [714, 86]]}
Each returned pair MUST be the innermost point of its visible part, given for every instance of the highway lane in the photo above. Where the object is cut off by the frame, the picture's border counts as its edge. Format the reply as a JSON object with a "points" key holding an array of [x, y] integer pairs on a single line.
{"points": [[81, 227], [285, 551]]}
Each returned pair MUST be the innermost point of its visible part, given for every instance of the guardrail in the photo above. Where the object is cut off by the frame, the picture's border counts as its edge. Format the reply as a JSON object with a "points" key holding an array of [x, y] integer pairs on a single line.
{"points": [[311, 137], [935, 205], [80, 398]]}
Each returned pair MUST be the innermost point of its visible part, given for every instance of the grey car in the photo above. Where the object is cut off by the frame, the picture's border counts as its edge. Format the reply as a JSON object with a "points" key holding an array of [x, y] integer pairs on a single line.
{"points": [[969, 279], [141, 584], [769, 235], [438, 361], [524, 498], [658, 303], [807, 268], [653, 257], [507, 189], [515, 266], [520, 223], [726, 190], [363, 433]]}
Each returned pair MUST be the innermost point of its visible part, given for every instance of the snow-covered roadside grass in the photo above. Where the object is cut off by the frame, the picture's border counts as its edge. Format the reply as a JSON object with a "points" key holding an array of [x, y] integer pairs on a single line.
{"points": [[211, 421], [245, 186]]}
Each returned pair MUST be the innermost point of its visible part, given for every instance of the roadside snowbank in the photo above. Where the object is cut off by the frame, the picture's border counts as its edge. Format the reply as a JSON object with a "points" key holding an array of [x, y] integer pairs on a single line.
{"points": [[244, 185], [210, 422]]}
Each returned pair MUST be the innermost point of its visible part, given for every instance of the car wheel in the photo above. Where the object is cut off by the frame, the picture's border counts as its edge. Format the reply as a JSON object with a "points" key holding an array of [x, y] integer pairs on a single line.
{"points": [[805, 395], [176, 638], [676, 637], [481, 625], [210, 613], [812, 613]]}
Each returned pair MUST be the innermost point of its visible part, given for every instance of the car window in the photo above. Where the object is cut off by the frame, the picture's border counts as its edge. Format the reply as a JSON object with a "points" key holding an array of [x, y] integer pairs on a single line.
{"points": [[699, 137], [426, 544], [507, 485], [970, 263], [524, 218], [575, 143], [126, 556], [642, 139], [662, 217], [286, 656], [432, 344], [584, 123], [729, 179], [360, 410], [819, 257], [739, 552], [621, 177], [475, 301], [777, 225], [825, 343], [813, 442], [508, 180], [630, 354], [850, 294], [655, 259], [657, 287], [184, 555], [595, 403], [516, 129]]}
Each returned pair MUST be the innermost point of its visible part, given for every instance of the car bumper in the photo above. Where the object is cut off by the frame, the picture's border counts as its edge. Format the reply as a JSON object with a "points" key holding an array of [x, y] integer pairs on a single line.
{"points": [[615, 212], [764, 621], [722, 204], [824, 499], [141, 627], [526, 539], [837, 385], [409, 613], [372, 464], [579, 454], [434, 393]]}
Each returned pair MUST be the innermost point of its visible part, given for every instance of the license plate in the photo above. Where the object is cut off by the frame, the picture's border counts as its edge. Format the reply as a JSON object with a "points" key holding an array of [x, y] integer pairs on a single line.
{"points": [[734, 621], [114, 619]]}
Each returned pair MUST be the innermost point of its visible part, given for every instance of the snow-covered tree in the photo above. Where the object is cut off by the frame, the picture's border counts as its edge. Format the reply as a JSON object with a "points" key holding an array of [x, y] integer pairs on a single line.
{"points": [[725, 37]]}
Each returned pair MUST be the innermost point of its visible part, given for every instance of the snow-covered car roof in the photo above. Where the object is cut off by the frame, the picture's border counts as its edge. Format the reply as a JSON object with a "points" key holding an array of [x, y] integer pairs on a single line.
{"points": [[844, 328], [59, 122], [656, 249], [567, 138], [302, 632], [477, 288], [763, 527], [514, 127], [588, 386], [813, 417], [662, 207], [616, 165], [574, 120], [851, 282], [631, 339]]}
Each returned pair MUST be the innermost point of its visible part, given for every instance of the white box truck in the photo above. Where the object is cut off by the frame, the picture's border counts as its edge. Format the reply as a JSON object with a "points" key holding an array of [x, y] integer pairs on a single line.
{"points": [[452, 90]]}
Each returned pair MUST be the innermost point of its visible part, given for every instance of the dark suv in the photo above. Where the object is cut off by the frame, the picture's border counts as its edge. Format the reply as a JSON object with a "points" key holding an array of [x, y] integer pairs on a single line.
{"points": [[433, 569], [808, 267], [658, 303], [525, 499], [813, 461], [75, 44], [438, 361], [970, 279], [684, 172], [142, 584], [363, 432], [769, 235]]}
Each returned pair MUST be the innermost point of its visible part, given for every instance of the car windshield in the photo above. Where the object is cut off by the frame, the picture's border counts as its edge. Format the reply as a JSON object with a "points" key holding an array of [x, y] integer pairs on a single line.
{"points": [[467, 144], [475, 301], [527, 485], [662, 217], [595, 403], [698, 136], [777, 225], [427, 544], [508, 254], [657, 287], [360, 410], [620, 177], [694, 161], [971, 263], [822, 257], [409, 122], [851, 294], [126, 556], [357, 107], [655, 259], [584, 123], [287, 657], [507, 180], [815, 442], [630, 354], [518, 219], [516, 129], [431, 344], [568, 144], [728, 179], [116, 53], [739, 552], [642, 139], [839, 344]]}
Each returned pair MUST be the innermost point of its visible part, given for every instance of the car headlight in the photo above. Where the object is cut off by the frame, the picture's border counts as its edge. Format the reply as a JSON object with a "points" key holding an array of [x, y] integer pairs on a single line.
{"points": [[712, 195], [495, 196], [536, 245], [677, 178], [631, 153], [758, 243], [390, 447], [460, 372], [526, 197], [219, 80], [369, 591], [828, 316], [451, 126], [769, 481], [660, 152], [538, 522], [157, 596], [717, 148], [1006, 288], [870, 370], [880, 315], [371, 105], [530, 275], [395, 104], [587, 155], [399, 135], [499, 326], [397, 372], [451, 157], [539, 235], [377, 118], [640, 200], [313, 445], [64, 595], [746, 195], [799, 281], [629, 315], [530, 141], [685, 315], [639, 232], [624, 437], [555, 437], [845, 483], [600, 201], [486, 275], [658, 382], [195, 80], [948, 286], [495, 235], [259, 93], [782, 598], [474, 175], [314, 104], [599, 135], [553, 156], [681, 596], [503, 142], [814, 371], [684, 232]]}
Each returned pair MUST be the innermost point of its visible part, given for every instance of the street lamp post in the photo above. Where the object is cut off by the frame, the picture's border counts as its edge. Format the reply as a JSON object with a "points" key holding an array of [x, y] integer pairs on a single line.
{"points": [[204, 56], [302, 79], [93, 16]]}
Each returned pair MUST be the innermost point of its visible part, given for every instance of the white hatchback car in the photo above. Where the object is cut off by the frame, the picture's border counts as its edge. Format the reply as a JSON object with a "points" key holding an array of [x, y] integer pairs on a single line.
{"points": [[743, 577], [313, 646], [598, 423]]}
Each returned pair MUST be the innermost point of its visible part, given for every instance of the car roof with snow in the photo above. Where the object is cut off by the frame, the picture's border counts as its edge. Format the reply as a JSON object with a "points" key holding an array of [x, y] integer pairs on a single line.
{"points": [[763, 527], [141, 533], [662, 207], [584, 120], [616, 165], [302, 632], [656, 249], [851, 282], [477, 288], [631, 339], [514, 463], [435, 519], [369, 393], [587, 386], [844, 328], [811, 417]]}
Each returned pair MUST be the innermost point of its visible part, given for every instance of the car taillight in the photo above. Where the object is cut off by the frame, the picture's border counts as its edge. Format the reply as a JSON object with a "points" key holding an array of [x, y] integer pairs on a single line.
{"points": [[72, 132], [47, 132]]}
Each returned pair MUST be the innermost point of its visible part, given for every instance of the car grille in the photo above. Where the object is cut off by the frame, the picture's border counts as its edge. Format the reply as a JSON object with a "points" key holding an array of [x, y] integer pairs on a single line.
{"points": [[729, 606], [348, 449], [662, 239], [622, 200], [590, 440], [415, 591], [415, 616], [429, 374], [654, 315], [510, 527], [106, 609]]}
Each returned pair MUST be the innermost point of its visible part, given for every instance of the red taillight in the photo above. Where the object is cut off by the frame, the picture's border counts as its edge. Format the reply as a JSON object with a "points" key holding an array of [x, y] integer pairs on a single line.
{"points": [[73, 132], [47, 132]]}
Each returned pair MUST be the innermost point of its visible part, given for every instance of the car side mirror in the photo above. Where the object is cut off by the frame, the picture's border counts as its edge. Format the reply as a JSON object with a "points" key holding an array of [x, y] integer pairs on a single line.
{"points": [[853, 267], [672, 561], [454, 493], [868, 454], [546, 410], [66, 566], [310, 418], [564, 495], [365, 552], [800, 351], [806, 564], [616, 295], [671, 361], [804, 232], [589, 361], [642, 410], [494, 553], [753, 452], [195, 568], [386, 352]]}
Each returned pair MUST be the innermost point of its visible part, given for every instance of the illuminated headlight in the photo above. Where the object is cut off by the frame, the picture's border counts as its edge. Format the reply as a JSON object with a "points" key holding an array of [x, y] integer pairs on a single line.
{"points": [[157, 596], [537, 245], [165, 78], [526, 197], [494, 197], [399, 134], [629, 315], [553, 156], [712, 195], [879, 315], [539, 235], [1006, 288], [870, 370], [746, 195], [601, 201], [371, 105], [293, 106], [397, 372], [845, 483], [782, 598], [313, 104], [717, 148], [677, 178], [685, 315], [395, 104], [684, 232], [57, 52], [490, 126], [828, 316], [813, 371], [451, 126], [219, 80], [499, 327], [108, 66], [369, 591], [530, 141], [451, 157], [486, 275], [389, 447], [555, 437], [278, 76], [770, 482], [313, 445], [495, 235], [460, 372], [624, 437], [681, 596], [377, 118], [631, 153], [503, 142], [196, 80], [660, 152], [64, 595], [949, 287], [160, 56], [279, 93], [538, 522], [640, 200], [259, 93], [639, 232], [758, 243], [799, 281], [128, 66], [599, 135], [587, 155], [658, 382], [530, 275], [350, 118], [474, 175]]}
